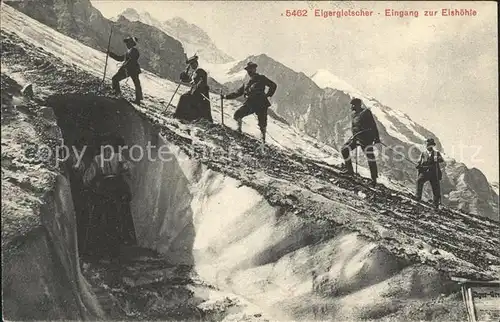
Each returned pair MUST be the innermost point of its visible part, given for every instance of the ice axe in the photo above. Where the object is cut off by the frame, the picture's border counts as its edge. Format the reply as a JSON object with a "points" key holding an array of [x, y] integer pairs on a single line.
{"points": [[107, 55], [437, 179], [175, 92], [356, 160], [222, 107]]}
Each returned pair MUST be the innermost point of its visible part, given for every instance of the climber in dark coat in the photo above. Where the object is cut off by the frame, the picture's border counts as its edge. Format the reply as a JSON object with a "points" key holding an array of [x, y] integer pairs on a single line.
{"points": [[195, 104], [112, 217], [365, 134], [130, 67], [429, 170], [256, 99]]}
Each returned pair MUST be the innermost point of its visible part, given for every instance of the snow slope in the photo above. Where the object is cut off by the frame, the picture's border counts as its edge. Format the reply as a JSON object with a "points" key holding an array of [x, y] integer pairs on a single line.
{"points": [[93, 61], [324, 78], [398, 127], [319, 106], [278, 240], [495, 185], [222, 72]]}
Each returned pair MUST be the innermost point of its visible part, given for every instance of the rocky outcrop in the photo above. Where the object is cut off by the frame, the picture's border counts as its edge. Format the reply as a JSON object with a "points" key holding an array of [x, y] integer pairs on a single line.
{"points": [[41, 277], [160, 53], [194, 39]]}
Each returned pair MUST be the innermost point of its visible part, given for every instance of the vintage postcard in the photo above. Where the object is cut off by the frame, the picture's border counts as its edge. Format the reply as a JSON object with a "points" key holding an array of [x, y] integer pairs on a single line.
{"points": [[250, 160]]}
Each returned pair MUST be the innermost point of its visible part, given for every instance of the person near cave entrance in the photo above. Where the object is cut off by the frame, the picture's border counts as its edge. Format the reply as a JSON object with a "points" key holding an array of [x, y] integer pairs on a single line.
{"points": [[110, 222]]}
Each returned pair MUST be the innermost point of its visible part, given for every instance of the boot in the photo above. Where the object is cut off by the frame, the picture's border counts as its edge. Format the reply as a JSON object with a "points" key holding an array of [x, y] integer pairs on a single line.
{"points": [[347, 169], [240, 123], [263, 136]]}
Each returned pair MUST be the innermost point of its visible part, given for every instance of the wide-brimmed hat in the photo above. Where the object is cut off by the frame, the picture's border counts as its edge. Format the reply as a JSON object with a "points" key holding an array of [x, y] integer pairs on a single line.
{"points": [[192, 59], [130, 39], [430, 142], [250, 65]]}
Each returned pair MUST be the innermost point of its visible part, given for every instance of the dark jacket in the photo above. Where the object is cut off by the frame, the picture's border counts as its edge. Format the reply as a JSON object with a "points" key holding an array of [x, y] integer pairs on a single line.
{"points": [[200, 92], [364, 127], [427, 164], [199, 81], [131, 61], [254, 92]]}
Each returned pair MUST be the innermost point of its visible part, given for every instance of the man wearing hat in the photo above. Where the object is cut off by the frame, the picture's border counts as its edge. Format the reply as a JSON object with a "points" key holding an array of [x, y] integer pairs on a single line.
{"points": [[256, 98], [194, 104], [429, 170], [365, 134], [130, 67]]}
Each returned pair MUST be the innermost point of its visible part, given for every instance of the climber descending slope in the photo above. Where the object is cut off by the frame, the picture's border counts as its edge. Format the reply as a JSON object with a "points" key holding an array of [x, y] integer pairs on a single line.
{"points": [[365, 134], [256, 99]]}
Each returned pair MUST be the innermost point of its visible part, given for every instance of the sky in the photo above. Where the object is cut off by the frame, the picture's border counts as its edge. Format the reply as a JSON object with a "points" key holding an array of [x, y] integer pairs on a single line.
{"points": [[440, 70]]}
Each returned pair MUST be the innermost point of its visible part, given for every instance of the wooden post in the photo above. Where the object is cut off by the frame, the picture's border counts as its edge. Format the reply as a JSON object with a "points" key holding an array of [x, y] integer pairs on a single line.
{"points": [[222, 107], [107, 55]]}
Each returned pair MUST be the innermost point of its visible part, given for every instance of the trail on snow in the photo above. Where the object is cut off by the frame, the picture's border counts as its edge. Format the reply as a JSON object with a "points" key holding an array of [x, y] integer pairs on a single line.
{"points": [[467, 242]]}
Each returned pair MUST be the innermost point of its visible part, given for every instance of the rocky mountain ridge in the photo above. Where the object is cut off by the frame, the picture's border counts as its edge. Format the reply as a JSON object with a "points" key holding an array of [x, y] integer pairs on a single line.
{"points": [[194, 39]]}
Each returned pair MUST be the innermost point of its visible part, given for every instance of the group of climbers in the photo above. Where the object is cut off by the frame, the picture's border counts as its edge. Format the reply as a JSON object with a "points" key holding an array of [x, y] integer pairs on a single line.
{"points": [[195, 105], [366, 135]]}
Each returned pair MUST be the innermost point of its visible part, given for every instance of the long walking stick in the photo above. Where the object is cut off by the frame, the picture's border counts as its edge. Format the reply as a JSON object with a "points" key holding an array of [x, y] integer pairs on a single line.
{"points": [[107, 55], [175, 92], [437, 180], [222, 107], [356, 159], [171, 98]]}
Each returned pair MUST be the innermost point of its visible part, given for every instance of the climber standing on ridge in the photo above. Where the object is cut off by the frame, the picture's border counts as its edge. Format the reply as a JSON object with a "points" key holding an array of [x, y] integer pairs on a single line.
{"points": [[256, 100], [429, 170], [365, 134], [194, 104], [130, 67]]}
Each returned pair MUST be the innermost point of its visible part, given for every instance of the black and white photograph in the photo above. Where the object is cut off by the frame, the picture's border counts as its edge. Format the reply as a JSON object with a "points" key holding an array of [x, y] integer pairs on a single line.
{"points": [[250, 160]]}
